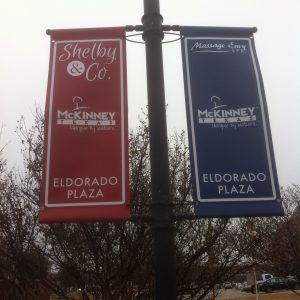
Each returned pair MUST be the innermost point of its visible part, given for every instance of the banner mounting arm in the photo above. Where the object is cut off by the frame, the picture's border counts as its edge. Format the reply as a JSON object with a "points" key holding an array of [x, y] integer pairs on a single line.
{"points": [[141, 27]]}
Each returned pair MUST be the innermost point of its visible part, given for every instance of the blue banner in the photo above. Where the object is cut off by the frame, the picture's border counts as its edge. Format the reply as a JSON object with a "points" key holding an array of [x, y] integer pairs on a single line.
{"points": [[232, 159]]}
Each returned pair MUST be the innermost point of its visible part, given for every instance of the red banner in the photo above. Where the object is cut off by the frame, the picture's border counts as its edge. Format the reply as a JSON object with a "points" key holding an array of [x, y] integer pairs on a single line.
{"points": [[85, 167]]}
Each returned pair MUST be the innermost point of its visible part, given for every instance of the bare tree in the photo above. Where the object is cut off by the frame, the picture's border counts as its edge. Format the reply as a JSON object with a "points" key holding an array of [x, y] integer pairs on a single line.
{"points": [[114, 260], [282, 235]]}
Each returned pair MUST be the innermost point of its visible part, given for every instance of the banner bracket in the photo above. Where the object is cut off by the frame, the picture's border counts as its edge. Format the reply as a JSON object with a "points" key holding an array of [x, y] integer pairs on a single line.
{"points": [[142, 28]]}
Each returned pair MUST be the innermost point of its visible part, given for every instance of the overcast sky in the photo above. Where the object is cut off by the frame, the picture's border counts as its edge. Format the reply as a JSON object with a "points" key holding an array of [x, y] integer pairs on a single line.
{"points": [[24, 58]]}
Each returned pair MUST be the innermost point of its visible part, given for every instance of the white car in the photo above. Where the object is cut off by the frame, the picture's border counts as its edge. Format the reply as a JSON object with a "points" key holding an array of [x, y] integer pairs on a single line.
{"points": [[227, 285]]}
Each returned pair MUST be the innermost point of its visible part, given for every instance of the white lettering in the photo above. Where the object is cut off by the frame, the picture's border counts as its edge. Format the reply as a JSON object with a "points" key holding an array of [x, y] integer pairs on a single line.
{"points": [[85, 194], [99, 194], [227, 177], [96, 51], [78, 182], [224, 113], [94, 71], [220, 188], [56, 182], [65, 56], [84, 181], [233, 177], [113, 180], [83, 115], [235, 189], [70, 193], [199, 45], [261, 176]]}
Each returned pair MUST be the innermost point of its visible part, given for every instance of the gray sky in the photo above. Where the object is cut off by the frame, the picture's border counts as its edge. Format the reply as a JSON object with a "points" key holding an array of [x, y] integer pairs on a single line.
{"points": [[24, 59]]}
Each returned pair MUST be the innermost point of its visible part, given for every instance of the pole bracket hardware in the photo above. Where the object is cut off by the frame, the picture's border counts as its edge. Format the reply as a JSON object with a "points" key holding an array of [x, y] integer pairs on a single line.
{"points": [[152, 25], [163, 28]]}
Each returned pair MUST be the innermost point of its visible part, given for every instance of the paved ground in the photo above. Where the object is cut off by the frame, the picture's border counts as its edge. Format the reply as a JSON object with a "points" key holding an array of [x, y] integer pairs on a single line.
{"points": [[231, 294]]}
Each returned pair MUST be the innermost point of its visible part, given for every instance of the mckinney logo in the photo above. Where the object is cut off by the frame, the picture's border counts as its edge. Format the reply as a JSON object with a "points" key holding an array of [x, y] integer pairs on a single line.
{"points": [[78, 116], [220, 114]]}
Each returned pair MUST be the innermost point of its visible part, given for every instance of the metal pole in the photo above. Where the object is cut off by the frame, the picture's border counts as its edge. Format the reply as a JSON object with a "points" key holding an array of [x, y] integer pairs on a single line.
{"points": [[162, 221], [255, 282]]}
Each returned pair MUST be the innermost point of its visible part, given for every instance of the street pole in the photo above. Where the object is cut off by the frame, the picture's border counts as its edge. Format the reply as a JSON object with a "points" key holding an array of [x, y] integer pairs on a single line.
{"points": [[255, 281], [162, 222]]}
